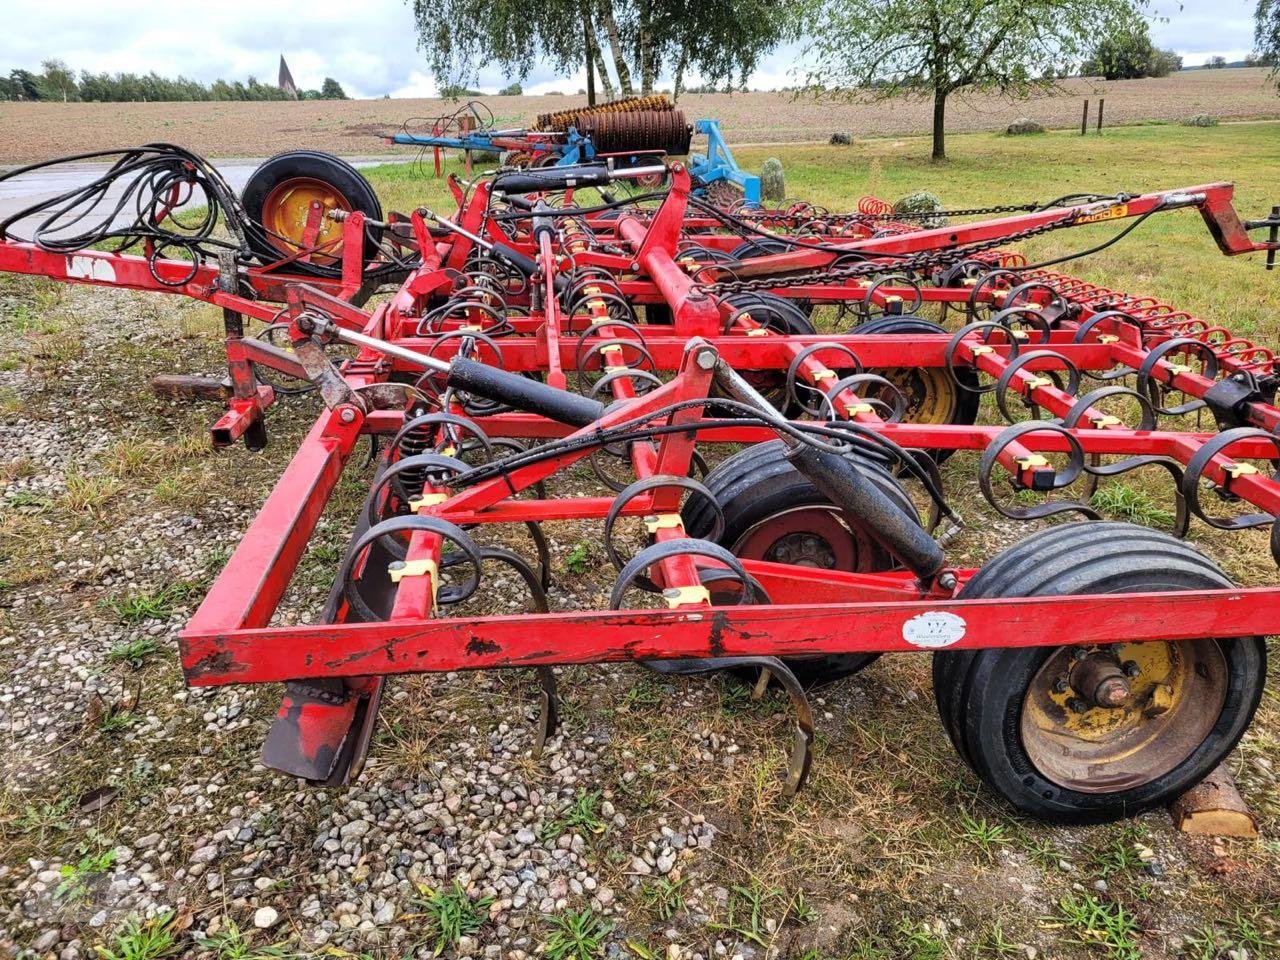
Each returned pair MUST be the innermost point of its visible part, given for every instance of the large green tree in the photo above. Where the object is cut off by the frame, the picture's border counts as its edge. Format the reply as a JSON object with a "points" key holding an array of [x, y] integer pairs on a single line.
{"points": [[1128, 53], [937, 48], [641, 40]]}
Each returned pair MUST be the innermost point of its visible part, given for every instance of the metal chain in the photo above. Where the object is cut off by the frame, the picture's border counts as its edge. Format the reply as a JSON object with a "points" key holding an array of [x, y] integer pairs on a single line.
{"points": [[778, 213], [914, 263]]}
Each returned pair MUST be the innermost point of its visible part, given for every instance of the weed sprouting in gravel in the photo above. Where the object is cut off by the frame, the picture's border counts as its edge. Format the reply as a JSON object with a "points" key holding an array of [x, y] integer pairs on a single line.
{"points": [[135, 653], [160, 605], [582, 815], [453, 914], [231, 943], [1103, 925], [982, 833], [663, 897], [77, 878], [576, 935], [152, 939]]}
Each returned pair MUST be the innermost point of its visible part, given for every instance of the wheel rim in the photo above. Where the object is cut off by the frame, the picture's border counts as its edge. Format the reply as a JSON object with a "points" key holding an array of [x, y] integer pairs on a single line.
{"points": [[811, 536], [1175, 693], [285, 212], [930, 393]]}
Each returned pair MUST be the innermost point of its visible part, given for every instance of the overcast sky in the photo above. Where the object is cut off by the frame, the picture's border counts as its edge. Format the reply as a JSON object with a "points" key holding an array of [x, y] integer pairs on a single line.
{"points": [[370, 47]]}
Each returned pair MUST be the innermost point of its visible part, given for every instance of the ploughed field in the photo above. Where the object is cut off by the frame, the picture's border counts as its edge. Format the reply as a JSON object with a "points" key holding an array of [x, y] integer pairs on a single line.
{"points": [[37, 131]]}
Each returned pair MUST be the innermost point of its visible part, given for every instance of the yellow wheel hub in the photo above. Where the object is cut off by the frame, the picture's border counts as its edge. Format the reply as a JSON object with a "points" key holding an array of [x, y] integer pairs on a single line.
{"points": [[1174, 693], [929, 391], [287, 209]]}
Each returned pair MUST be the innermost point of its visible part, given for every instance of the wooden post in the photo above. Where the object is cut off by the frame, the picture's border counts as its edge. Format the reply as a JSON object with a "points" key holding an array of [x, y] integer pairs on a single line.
{"points": [[1214, 807], [1084, 119], [1101, 102]]}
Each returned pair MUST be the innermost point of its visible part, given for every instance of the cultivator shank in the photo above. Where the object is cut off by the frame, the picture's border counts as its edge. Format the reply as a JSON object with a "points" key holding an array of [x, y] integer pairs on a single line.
{"points": [[841, 358]]}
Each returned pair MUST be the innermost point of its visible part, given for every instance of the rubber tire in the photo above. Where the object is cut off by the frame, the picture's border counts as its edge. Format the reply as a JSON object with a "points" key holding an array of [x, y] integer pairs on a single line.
{"points": [[757, 483], [967, 401], [979, 693], [342, 176], [763, 247]]}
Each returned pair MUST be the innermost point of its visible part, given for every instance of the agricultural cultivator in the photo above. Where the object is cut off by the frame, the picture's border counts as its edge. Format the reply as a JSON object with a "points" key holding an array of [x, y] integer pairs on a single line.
{"points": [[759, 481], [631, 132]]}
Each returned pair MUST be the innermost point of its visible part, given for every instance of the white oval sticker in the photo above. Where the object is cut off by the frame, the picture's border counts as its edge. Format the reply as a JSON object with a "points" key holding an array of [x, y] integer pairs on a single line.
{"points": [[934, 630]]}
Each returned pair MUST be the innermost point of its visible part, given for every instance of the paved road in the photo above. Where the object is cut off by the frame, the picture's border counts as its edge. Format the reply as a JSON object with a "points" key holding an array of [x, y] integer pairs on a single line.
{"points": [[20, 192]]}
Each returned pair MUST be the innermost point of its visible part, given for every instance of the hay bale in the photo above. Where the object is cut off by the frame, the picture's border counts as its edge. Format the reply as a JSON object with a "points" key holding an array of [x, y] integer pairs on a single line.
{"points": [[1200, 120], [840, 139], [922, 201], [1023, 125], [773, 186]]}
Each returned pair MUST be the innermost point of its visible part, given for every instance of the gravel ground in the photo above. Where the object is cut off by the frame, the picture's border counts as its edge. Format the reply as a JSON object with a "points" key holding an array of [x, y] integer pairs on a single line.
{"points": [[125, 797]]}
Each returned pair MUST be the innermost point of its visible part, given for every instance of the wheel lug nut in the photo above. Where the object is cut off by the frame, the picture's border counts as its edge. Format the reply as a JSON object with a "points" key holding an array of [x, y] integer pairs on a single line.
{"points": [[1130, 668], [1060, 685], [1076, 705]]}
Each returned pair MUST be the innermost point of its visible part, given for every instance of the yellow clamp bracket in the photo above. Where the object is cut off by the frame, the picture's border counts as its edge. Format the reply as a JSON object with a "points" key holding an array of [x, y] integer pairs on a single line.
{"points": [[591, 291], [427, 500], [615, 367], [893, 298], [1035, 382], [758, 332], [1177, 368], [399, 569], [856, 408], [1032, 462], [1019, 334], [1108, 338], [662, 521], [968, 282], [1237, 470], [1104, 421], [980, 350], [471, 328], [608, 348], [999, 294], [680, 596], [824, 374]]}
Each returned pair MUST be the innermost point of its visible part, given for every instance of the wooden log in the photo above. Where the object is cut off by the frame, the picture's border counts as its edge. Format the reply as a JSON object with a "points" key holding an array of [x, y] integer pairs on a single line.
{"points": [[1214, 807], [183, 386]]}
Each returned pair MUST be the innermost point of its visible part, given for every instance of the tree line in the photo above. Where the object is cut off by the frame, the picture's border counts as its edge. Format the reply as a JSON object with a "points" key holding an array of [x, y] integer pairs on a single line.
{"points": [[58, 82]]}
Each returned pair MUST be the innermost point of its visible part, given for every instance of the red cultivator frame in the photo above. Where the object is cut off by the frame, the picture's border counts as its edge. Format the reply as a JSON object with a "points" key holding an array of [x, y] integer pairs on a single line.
{"points": [[1089, 671]]}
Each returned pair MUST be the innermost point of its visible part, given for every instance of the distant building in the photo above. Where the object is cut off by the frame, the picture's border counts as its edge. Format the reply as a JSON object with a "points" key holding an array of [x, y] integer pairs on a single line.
{"points": [[285, 82]]}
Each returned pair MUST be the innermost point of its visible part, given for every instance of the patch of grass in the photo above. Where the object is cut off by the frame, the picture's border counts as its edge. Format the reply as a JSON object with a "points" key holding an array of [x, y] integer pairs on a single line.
{"points": [[1120, 855], [749, 909], [30, 500], [1102, 925], [45, 818], [149, 940], [1122, 502], [90, 492], [578, 558], [77, 878], [576, 935], [115, 721], [1233, 937], [919, 942], [994, 943], [153, 606], [663, 897], [230, 943], [135, 653], [983, 834], [17, 469], [582, 815], [453, 914]]}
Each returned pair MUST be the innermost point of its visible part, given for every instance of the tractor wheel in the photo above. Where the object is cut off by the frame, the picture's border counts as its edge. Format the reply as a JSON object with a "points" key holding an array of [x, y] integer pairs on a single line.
{"points": [[1092, 734], [781, 316], [772, 512], [279, 197], [932, 396]]}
